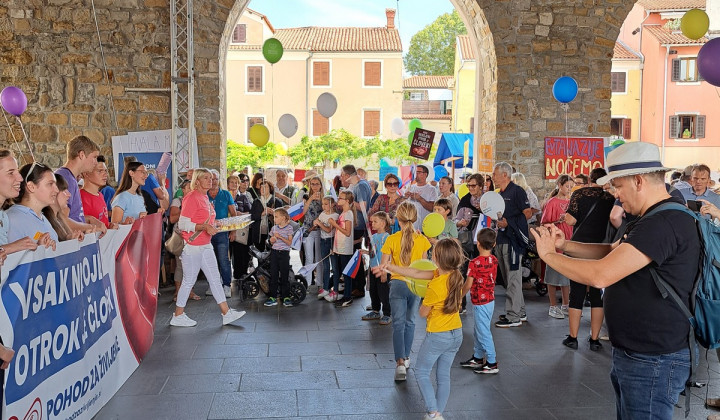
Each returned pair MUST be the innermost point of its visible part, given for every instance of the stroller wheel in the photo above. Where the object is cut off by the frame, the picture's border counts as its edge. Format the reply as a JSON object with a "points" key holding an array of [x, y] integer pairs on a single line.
{"points": [[297, 292], [541, 288], [250, 289], [301, 279]]}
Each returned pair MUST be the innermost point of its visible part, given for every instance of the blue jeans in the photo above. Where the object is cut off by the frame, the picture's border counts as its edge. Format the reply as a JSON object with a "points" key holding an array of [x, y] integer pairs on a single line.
{"points": [[404, 306], [339, 262], [440, 347], [648, 386], [325, 248], [484, 345], [221, 246]]}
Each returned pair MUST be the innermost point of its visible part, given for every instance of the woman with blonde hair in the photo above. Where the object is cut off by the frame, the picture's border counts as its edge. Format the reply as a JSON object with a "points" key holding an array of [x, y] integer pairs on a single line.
{"points": [[519, 179], [401, 249]]}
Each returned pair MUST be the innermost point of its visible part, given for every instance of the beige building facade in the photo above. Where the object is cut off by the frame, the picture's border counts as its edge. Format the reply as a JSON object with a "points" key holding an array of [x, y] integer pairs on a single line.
{"points": [[361, 67]]}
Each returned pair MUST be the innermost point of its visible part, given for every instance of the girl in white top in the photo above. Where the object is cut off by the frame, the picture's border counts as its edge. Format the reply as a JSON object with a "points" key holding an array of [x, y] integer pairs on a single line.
{"points": [[343, 246], [327, 235], [128, 203], [38, 190]]}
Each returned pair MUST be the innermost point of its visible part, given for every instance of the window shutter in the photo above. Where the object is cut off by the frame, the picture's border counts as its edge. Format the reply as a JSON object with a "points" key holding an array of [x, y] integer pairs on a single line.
{"points": [[254, 79], [371, 123], [321, 125], [627, 128], [240, 33], [674, 126], [675, 71], [700, 127], [617, 81], [372, 73], [321, 73]]}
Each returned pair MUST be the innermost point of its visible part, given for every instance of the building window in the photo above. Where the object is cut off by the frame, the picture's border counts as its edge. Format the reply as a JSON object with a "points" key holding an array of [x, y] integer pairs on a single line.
{"points": [[687, 126], [618, 81], [250, 122], [685, 70], [371, 123], [239, 34], [321, 125], [621, 127], [372, 74], [321, 73], [416, 96], [254, 79]]}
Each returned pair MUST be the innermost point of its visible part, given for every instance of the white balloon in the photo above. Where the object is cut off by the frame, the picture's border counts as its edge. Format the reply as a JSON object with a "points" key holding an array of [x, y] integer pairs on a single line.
{"points": [[492, 203], [288, 125], [431, 173], [398, 126], [327, 104]]}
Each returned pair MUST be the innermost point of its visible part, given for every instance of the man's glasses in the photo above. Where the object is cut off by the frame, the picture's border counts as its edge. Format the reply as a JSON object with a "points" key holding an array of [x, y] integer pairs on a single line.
{"points": [[32, 168]]}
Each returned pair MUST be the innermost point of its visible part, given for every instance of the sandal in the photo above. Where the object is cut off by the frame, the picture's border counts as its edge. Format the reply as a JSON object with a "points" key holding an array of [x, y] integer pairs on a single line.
{"points": [[194, 296]]}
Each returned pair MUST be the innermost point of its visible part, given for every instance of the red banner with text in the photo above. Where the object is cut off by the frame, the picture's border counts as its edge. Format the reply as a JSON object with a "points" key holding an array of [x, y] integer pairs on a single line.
{"points": [[573, 156]]}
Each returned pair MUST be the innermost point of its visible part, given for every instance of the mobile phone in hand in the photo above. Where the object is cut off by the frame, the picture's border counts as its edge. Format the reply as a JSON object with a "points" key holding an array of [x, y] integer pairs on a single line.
{"points": [[694, 205]]}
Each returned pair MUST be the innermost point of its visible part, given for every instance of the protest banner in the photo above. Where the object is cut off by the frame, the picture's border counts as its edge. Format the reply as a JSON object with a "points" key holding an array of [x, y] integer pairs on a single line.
{"points": [[422, 143], [572, 155], [80, 320]]}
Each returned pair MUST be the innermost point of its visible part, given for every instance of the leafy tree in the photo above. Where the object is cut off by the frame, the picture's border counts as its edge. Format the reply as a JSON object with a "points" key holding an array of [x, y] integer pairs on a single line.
{"points": [[240, 155], [432, 49]]}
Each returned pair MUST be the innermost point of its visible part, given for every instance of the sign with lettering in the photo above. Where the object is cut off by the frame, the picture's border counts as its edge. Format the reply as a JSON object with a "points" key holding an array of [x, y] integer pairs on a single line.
{"points": [[422, 143], [485, 159], [573, 156]]}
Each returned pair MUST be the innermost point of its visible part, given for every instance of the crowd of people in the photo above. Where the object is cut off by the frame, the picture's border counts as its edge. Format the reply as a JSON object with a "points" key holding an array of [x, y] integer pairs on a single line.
{"points": [[589, 232]]}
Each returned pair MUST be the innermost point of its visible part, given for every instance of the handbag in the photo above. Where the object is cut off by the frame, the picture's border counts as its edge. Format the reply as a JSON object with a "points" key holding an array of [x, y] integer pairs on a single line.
{"points": [[242, 235], [175, 243]]}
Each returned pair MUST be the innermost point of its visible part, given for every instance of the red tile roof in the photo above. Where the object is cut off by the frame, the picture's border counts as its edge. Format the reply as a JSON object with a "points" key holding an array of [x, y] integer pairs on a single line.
{"points": [[662, 5], [427, 82], [466, 50], [339, 39], [668, 37], [623, 52], [427, 116], [261, 16]]}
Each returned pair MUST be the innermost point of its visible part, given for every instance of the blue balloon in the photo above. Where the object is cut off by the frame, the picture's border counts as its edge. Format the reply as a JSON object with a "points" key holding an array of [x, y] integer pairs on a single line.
{"points": [[440, 172], [565, 89]]}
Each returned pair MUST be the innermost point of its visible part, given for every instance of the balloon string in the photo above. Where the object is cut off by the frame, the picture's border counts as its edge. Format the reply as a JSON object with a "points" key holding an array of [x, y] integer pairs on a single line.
{"points": [[113, 117], [567, 139], [26, 139], [12, 133]]}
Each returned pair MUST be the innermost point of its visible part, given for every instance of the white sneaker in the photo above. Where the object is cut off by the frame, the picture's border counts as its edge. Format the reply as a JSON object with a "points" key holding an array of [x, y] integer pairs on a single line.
{"points": [[208, 292], [556, 313], [564, 310], [401, 373], [182, 320], [331, 297], [322, 293], [227, 291], [231, 316], [407, 363]]}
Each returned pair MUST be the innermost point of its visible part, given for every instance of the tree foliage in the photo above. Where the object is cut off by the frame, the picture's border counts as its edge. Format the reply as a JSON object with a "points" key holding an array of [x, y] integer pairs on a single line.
{"points": [[240, 155], [432, 49]]}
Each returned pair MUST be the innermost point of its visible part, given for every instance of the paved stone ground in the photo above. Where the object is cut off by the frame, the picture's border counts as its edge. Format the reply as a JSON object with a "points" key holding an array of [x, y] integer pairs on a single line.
{"points": [[316, 361]]}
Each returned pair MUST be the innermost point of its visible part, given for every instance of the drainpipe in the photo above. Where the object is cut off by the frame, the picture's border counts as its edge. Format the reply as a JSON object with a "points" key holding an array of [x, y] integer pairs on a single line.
{"points": [[642, 71], [307, 94], [664, 117]]}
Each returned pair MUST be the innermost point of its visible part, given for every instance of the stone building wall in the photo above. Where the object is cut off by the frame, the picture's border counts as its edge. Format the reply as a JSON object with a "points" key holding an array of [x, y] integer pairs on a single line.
{"points": [[49, 48]]}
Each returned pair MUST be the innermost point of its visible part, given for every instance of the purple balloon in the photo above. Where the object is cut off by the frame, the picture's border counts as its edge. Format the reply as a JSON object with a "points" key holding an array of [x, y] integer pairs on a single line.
{"points": [[14, 101], [708, 62]]}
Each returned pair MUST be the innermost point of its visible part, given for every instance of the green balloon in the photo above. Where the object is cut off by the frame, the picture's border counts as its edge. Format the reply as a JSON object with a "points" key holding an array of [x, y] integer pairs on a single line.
{"points": [[272, 50], [414, 123], [410, 136], [617, 143]]}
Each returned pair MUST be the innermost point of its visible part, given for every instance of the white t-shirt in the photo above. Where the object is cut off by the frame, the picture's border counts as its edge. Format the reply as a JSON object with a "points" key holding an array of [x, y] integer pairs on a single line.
{"points": [[323, 218], [427, 192], [344, 244]]}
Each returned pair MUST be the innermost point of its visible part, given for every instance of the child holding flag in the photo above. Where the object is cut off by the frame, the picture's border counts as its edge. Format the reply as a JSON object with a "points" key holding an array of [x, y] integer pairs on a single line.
{"points": [[281, 235], [402, 248], [379, 290], [326, 241], [441, 307], [342, 247]]}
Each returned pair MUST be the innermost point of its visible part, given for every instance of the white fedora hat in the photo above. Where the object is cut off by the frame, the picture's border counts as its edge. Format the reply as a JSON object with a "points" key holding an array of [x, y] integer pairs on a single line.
{"points": [[634, 158]]}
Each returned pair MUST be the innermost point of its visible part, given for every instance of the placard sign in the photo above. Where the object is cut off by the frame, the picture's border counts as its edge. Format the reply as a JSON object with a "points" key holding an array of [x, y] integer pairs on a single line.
{"points": [[573, 156], [485, 158], [422, 143]]}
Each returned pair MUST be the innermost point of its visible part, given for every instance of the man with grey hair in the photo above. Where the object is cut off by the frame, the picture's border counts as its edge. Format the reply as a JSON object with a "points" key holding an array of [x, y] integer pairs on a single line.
{"points": [[649, 334], [284, 191], [512, 239]]}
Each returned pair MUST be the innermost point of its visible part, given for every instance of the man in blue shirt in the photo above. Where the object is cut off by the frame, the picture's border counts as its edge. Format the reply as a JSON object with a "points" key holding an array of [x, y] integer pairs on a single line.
{"points": [[699, 191]]}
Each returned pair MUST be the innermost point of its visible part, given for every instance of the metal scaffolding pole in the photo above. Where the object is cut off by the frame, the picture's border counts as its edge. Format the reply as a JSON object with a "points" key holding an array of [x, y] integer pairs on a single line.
{"points": [[182, 87]]}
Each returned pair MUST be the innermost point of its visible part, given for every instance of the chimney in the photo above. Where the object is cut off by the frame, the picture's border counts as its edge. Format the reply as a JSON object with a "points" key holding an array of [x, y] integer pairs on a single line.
{"points": [[390, 13]]}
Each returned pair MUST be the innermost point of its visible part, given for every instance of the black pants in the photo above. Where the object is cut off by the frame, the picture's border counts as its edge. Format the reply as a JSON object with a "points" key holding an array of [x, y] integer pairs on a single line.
{"points": [[240, 258], [380, 294], [359, 280], [577, 296], [279, 266]]}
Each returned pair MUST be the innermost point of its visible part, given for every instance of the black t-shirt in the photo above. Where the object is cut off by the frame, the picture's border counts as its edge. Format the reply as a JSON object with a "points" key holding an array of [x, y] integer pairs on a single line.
{"points": [[593, 229], [638, 318], [516, 201]]}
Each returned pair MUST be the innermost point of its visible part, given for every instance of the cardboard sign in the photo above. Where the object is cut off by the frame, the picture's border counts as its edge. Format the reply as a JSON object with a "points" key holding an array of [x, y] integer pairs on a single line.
{"points": [[422, 143], [573, 156]]}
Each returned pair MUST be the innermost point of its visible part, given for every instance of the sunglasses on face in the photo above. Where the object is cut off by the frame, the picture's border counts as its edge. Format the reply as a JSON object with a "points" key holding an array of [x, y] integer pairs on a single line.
{"points": [[392, 184], [32, 168], [472, 185]]}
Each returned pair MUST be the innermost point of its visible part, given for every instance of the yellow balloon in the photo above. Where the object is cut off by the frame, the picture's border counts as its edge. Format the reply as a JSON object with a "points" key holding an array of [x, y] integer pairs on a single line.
{"points": [[433, 225], [694, 23], [462, 190], [419, 286], [282, 148], [259, 135]]}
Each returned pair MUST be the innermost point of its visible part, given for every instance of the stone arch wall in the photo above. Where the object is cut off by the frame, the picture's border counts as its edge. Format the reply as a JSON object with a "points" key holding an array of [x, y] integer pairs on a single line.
{"points": [[50, 49]]}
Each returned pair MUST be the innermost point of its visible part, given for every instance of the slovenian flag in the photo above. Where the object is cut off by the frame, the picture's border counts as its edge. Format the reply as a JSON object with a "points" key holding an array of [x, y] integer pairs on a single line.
{"points": [[296, 211], [352, 267]]}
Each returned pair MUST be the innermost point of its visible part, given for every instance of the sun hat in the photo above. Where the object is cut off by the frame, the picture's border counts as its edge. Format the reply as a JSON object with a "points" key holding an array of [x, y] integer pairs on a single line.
{"points": [[635, 158]]}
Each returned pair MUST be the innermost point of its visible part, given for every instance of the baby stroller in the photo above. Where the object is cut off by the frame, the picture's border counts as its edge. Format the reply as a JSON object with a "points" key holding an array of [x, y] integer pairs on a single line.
{"points": [[529, 276], [259, 279]]}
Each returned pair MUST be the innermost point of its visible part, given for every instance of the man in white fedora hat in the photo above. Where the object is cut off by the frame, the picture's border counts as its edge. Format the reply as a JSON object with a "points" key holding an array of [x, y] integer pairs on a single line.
{"points": [[649, 334]]}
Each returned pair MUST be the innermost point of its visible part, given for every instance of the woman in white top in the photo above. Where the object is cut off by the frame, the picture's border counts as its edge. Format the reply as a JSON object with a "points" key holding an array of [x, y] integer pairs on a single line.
{"points": [[37, 191], [128, 203], [447, 190]]}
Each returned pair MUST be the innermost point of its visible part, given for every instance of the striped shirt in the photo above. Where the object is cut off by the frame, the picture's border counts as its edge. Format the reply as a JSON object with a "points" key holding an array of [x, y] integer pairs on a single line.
{"points": [[285, 232]]}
